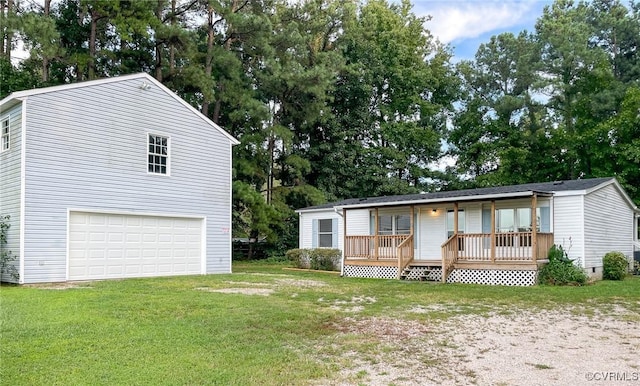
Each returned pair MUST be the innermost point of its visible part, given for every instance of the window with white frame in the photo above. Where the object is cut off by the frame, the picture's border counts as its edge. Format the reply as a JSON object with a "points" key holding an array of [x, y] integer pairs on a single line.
{"points": [[450, 222], [515, 220], [325, 233], [158, 155], [399, 224], [5, 134]]}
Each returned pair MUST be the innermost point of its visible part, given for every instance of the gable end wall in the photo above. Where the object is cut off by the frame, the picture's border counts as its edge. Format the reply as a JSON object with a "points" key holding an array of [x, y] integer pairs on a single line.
{"points": [[87, 149], [608, 226]]}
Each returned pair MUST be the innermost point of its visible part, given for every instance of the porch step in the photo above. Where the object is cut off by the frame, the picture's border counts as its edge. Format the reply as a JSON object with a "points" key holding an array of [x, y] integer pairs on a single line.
{"points": [[416, 272]]}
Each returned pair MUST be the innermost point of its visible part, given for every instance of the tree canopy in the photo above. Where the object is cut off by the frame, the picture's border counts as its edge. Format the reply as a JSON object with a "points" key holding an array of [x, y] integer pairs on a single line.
{"points": [[335, 99]]}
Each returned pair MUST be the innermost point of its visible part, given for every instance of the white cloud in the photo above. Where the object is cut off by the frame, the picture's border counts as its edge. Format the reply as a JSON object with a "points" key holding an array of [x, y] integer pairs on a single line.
{"points": [[456, 20]]}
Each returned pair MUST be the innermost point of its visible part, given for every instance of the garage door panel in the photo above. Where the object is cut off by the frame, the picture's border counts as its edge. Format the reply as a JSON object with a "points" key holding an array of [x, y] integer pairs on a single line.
{"points": [[103, 246]]}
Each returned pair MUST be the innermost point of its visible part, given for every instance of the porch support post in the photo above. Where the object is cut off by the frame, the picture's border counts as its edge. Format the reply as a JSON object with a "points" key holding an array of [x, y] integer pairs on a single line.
{"points": [[375, 235], [534, 227], [411, 228], [412, 211], [493, 231], [345, 246], [455, 230]]}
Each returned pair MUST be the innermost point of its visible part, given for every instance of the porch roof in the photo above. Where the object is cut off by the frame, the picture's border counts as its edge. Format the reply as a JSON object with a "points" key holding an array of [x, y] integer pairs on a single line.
{"points": [[496, 192]]}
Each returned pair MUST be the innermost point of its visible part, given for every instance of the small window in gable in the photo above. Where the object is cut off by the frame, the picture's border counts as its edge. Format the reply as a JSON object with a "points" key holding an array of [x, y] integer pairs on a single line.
{"points": [[158, 154], [5, 135]]}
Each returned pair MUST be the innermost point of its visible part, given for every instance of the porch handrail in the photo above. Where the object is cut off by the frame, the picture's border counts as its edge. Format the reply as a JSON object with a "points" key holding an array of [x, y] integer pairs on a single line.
{"points": [[404, 251], [449, 256], [363, 246]]}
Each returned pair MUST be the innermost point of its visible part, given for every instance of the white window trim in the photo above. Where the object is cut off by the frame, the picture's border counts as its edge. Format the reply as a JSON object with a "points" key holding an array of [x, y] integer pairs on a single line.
{"points": [[330, 233], [3, 135], [516, 219], [168, 173], [462, 225], [394, 223]]}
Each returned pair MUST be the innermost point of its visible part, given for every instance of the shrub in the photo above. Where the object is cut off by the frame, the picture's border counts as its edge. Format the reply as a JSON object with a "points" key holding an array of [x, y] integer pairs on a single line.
{"points": [[7, 258], [319, 258], [297, 257], [325, 259], [560, 270], [614, 266]]}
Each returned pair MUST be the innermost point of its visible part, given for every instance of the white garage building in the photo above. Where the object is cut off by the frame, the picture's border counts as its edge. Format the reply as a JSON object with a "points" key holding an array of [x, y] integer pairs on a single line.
{"points": [[113, 178]]}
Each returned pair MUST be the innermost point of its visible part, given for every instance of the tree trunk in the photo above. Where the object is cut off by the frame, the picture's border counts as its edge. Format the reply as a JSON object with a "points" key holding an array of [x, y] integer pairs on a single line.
{"points": [[45, 59], [159, 44], [8, 43], [91, 65], [2, 24], [208, 66], [172, 46]]}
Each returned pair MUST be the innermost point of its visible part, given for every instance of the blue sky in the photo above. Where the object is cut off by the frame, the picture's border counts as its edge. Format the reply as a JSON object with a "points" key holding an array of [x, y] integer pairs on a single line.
{"points": [[465, 24]]}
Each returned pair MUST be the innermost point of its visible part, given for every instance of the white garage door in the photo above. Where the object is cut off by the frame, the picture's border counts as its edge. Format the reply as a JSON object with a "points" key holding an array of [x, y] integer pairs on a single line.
{"points": [[109, 246]]}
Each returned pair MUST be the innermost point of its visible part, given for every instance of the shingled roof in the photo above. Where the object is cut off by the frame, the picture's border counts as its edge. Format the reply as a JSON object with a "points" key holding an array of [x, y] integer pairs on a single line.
{"points": [[543, 188]]}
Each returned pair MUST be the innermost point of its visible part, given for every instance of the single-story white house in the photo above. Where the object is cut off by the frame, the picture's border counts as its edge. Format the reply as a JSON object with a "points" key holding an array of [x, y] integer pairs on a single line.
{"points": [[497, 235], [113, 178]]}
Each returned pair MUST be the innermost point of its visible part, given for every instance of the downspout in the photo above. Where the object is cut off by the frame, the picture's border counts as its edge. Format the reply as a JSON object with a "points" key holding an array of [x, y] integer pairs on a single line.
{"points": [[344, 238]]}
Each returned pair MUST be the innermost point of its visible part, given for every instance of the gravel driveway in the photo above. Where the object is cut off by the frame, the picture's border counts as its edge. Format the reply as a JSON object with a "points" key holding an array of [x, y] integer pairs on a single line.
{"points": [[518, 347]]}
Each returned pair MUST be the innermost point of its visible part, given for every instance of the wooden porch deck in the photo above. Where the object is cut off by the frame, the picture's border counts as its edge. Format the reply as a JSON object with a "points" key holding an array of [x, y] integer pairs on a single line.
{"points": [[504, 251]]}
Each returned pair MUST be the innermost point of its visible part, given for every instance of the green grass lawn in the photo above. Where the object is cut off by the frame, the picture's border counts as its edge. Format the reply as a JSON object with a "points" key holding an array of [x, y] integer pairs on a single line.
{"points": [[178, 331]]}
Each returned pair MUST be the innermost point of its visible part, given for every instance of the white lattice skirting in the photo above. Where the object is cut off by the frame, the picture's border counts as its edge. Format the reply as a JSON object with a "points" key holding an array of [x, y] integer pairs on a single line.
{"points": [[370, 271], [494, 277], [469, 276]]}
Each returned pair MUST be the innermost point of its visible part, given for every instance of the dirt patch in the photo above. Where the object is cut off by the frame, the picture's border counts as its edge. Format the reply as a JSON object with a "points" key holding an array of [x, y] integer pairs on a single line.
{"points": [[533, 348], [243, 291], [61, 286], [301, 283], [355, 304]]}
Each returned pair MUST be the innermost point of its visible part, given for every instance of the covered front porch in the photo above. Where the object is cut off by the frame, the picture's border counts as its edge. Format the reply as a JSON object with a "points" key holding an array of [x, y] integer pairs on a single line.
{"points": [[519, 249]]}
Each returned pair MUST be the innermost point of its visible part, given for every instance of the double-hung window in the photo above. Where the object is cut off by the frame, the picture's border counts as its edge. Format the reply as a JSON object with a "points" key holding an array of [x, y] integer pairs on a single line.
{"points": [[399, 224], [158, 154], [513, 220], [325, 233], [5, 138], [450, 226]]}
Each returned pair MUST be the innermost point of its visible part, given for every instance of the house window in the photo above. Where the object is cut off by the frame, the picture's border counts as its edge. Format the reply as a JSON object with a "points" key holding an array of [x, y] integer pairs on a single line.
{"points": [[451, 223], [158, 156], [515, 220], [4, 143], [325, 233], [394, 224]]}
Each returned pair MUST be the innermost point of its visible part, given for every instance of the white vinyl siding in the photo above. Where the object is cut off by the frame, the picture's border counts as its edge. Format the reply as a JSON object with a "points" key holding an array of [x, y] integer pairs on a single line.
{"points": [[308, 228], [614, 234], [66, 133], [358, 222], [10, 165], [568, 225]]}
